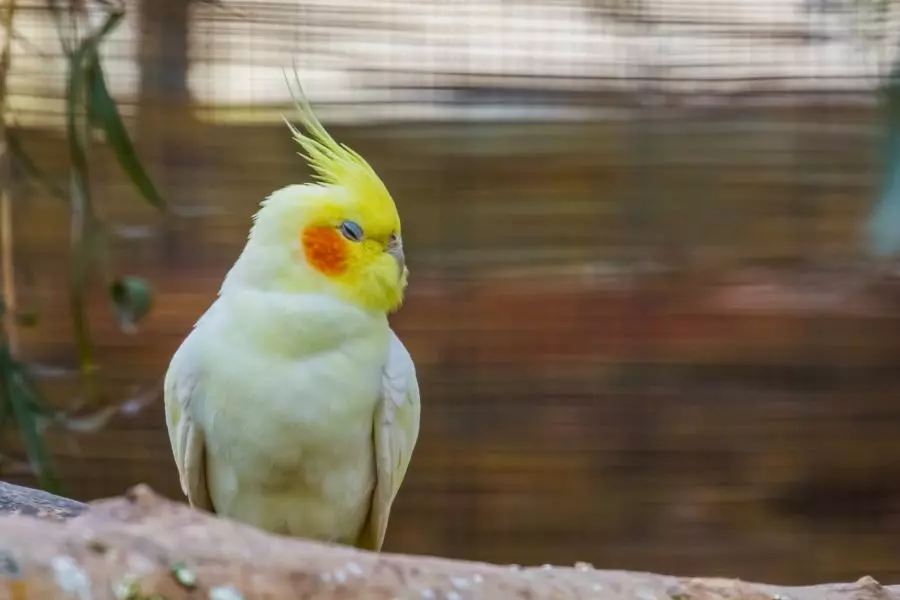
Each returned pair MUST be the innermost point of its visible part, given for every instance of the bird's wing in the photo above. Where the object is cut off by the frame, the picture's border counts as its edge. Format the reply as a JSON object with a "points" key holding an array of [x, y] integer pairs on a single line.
{"points": [[180, 392], [396, 429]]}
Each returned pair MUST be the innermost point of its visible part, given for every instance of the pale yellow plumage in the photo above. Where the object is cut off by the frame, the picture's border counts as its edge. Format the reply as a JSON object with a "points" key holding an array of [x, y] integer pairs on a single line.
{"points": [[292, 406]]}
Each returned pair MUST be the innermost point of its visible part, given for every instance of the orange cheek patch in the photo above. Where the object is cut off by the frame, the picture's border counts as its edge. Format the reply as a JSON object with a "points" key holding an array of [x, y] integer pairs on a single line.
{"points": [[325, 250]]}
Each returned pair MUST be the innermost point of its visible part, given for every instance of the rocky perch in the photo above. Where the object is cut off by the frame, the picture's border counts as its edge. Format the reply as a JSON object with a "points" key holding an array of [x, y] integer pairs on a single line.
{"points": [[142, 546]]}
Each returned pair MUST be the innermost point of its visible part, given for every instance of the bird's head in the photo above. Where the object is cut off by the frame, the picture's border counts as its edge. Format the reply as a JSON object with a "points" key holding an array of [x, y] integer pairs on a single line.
{"points": [[339, 236]]}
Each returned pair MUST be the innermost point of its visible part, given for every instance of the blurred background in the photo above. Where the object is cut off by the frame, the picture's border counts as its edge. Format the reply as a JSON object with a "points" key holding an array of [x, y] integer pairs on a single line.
{"points": [[650, 327]]}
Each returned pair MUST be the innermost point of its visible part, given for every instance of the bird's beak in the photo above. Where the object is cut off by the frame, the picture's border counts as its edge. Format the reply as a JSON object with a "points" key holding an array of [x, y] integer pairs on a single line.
{"points": [[395, 249]]}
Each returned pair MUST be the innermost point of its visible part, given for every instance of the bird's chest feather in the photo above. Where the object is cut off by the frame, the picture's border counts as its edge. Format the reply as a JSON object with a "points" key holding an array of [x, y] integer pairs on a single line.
{"points": [[287, 390], [294, 413], [295, 455]]}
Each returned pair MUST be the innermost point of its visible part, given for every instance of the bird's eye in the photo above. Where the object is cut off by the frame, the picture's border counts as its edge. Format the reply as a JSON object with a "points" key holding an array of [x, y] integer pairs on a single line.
{"points": [[351, 231]]}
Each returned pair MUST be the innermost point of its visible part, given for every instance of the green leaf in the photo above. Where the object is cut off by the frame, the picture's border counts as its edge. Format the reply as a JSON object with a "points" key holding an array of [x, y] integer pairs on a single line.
{"points": [[80, 198], [79, 63], [105, 114], [21, 397], [36, 401], [21, 158], [5, 411], [131, 298]]}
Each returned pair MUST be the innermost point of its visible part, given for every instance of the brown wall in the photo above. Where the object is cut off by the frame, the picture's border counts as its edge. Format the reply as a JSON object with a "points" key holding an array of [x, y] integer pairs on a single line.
{"points": [[642, 422]]}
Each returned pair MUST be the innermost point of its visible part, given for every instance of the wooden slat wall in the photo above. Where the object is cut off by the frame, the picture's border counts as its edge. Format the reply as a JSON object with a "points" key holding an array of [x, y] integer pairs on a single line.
{"points": [[636, 422]]}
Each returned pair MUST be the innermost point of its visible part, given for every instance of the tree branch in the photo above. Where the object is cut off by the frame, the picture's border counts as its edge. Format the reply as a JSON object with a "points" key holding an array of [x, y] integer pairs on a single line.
{"points": [[7, 264], [141, 546], [17, 500]]}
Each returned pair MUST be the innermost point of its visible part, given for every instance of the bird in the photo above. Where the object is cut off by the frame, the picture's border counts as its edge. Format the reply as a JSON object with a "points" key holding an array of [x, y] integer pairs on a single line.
{"points": [[292, 406]]}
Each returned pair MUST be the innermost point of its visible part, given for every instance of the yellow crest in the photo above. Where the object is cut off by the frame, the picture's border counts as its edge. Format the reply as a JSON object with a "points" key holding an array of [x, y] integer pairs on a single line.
{"points": [[332, 163]]}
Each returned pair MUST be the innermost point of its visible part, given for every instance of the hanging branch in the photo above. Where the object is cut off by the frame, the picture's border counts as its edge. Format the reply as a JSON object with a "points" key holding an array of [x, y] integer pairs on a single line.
{"points": [[6, 229], [89, 108]]}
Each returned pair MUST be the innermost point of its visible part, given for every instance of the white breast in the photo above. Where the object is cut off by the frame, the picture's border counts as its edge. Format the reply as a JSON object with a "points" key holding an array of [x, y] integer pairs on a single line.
{"points": [[289, 424]]}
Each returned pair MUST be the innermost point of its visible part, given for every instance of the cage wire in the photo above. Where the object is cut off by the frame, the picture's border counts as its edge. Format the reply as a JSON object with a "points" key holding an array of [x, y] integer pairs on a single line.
{"points": [[597, 197]]}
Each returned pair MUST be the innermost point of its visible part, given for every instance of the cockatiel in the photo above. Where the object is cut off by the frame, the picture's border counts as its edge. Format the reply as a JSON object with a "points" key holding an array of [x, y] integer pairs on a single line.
{"points": [[292, 406]]}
